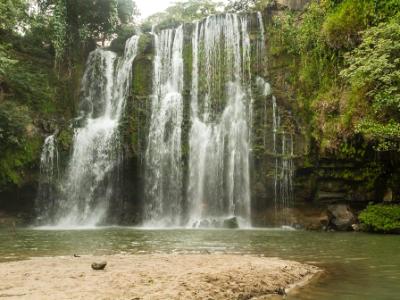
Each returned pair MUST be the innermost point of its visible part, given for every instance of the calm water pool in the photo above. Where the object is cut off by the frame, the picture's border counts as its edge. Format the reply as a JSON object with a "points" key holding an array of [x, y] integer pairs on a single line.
{"points": [[358, 266]]}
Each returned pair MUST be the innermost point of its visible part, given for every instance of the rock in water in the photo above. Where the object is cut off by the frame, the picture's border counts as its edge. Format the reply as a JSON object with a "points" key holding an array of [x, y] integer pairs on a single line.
{"points": [[231, 223], [342, 218], [99, 266]]}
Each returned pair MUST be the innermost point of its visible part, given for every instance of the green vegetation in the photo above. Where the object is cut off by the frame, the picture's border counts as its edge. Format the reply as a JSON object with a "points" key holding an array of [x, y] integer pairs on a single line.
{"points": [[344, 67], [247, 5], [42, 52], [374, 69], [381, 218], [182, 12], [76, 25], [340, 63]]}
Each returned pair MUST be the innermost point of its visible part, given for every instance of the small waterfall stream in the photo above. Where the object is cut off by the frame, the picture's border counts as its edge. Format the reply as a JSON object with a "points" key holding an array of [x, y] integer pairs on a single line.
{"points": [[49, 176], [283, 154]]}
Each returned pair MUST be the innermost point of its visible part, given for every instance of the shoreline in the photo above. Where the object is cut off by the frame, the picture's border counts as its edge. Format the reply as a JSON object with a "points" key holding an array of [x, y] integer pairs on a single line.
{"points": [[153, 276]]}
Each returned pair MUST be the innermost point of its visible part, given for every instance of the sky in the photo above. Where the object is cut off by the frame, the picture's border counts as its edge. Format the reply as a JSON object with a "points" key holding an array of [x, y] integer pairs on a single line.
{"points": [[149, 7]]}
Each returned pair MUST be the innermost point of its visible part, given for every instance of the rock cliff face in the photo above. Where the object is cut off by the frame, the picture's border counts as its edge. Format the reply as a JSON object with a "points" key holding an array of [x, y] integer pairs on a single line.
{"points": [[319, 179]]}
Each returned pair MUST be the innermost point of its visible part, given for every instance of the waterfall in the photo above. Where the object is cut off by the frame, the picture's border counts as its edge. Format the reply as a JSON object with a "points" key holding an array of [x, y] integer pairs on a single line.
{"points": [[282, 155], [91, 179], [163, 182], [219, 141], [283, 151], [286, 173], [49, 176], [261, 54]]}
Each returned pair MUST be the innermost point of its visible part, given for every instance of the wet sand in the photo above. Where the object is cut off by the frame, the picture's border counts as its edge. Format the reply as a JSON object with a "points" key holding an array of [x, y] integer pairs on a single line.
{"points": [[156, 276]]}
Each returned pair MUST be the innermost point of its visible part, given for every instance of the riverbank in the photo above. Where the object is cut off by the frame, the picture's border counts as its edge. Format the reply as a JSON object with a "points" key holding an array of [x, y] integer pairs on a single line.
{"points": [[155, 276]]}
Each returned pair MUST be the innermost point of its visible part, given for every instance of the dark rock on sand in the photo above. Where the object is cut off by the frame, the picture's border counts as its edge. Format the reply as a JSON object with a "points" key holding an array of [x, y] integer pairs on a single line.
{"points": [[99, 266]]}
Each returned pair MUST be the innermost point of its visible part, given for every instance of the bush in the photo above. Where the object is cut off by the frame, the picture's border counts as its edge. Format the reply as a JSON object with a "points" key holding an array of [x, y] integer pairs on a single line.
{"points": [[14, 120], [342, 27], [373, 70], [381, 218]]}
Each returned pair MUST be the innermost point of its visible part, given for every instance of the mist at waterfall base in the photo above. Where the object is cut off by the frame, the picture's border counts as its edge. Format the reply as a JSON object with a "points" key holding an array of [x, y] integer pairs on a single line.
{"points": [[215, 187]]}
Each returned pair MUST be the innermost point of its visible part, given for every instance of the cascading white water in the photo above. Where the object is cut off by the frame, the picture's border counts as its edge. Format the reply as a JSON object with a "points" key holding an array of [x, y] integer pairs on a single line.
{"points": [[89, 183], [163, 183], [219, 138], [219, 176], [49, 176], [260, 50]]}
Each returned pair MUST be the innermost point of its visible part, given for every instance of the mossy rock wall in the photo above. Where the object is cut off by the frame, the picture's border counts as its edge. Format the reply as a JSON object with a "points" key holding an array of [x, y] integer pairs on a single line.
{"points": [[353, 175]]}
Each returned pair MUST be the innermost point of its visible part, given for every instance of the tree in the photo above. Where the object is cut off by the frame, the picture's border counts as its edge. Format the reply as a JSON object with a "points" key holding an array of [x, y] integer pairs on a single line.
{"points": [[182, 12], [240, 5], [127, 11], [247, 5], [12, 12], [76, 23]]}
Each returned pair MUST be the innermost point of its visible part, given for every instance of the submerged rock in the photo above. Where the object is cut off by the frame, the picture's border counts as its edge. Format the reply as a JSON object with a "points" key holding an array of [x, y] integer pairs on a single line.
{"points": [[231, 223], [99, 266], [356, 227]]}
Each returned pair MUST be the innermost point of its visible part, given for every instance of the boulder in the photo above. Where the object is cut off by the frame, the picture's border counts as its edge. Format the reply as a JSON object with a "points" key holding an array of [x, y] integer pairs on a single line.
{"points": [[341, 217], [356, 227], [99, 266]]}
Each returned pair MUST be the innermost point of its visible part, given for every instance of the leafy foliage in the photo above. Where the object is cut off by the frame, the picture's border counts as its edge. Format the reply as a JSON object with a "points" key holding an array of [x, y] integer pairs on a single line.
{"points": [[342, 27], [374, 68], [181, 12], [12, 13], [76, 23], [23, 82], [127, 11], [246, 5], [381, 218], [345, 69], [18, 145], [13, 122]]}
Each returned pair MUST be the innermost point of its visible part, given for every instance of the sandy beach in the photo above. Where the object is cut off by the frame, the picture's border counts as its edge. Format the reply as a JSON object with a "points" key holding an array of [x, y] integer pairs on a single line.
{"points": [[158, 276]]}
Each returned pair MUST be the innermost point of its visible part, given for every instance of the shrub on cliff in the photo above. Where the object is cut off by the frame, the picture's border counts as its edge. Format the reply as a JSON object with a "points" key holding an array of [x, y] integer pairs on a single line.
{"points": [[342, 27], [373, 69], [381, 218]]}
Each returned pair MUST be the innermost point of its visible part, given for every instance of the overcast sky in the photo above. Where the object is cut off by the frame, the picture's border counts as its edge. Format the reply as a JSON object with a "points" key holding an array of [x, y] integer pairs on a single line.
{"points": [[149, 7]]}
